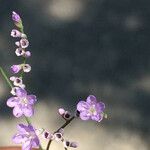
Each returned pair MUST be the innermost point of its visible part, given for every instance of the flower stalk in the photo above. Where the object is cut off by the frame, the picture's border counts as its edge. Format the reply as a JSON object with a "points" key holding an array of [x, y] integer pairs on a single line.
{"points": [[62, 127]]}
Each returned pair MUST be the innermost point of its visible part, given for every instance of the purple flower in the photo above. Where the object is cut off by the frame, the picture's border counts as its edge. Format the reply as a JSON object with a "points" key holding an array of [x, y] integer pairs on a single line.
{"points": [[16, 17], [91, 109], [22, 103], [15, 68], [27, 137]]}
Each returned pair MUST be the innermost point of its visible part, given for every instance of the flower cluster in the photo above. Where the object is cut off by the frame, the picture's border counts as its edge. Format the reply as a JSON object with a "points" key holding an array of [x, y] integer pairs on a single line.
{"points": [[23, 103]]}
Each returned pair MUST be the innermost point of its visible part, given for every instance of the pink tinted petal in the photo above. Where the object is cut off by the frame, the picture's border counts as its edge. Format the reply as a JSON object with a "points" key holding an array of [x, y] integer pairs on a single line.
{"points": [[96, 117], [91, 99], [27, 145], [84, 116], [17, 138], [35, 143], [82, 105], [28, 111], [17, 112], [12, 102], [22, 128], [100, 106], [31, 99], [21, 92]]}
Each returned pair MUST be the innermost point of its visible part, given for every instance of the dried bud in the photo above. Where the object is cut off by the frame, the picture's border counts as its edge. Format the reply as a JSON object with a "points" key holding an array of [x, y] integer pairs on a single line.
{"points": [[27, 54], [74, 144], [58, 136], [67, 115], [66, 143]]}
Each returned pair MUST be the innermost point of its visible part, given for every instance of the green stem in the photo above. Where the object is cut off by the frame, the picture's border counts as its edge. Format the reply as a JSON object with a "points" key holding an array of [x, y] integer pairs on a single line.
{"points": [[5, 77]]}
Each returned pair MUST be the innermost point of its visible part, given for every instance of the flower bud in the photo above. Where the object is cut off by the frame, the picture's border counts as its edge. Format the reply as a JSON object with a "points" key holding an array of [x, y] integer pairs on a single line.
{"points": [[17, 43], [27, 54], [61, 111], [47, 135], [24, 43], [15, 33], [16, 17], [58, 136], [66, 115], [15, 68], [26, 67], [66, 143], [74, 144]]}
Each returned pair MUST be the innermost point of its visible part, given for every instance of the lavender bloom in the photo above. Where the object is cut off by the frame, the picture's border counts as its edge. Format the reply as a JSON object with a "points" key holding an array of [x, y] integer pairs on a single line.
{"points": [[15, 68], [22, 103], [16, 17], [91, 109], [27, 137]]}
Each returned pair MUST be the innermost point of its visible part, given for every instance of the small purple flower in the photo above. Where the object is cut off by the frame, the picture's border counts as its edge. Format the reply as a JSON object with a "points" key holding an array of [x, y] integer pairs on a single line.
{"points": [[22, 103], [16, 17], [91, 109], [27, 137], [15, 68]]}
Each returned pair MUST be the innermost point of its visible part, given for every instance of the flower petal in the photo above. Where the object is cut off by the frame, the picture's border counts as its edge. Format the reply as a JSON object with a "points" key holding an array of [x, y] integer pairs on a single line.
{"points": [[21, 92], [17, 112], [22, 128], [31, 99], [17, 138], [12, 102], [35, 143], [100, 106], [27, 145], [91, 99], [82, 105], [28, 111], [84, 115]]}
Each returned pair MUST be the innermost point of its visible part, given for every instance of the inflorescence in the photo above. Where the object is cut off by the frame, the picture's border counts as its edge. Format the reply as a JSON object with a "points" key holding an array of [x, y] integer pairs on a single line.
{"points": [[23, 103]]}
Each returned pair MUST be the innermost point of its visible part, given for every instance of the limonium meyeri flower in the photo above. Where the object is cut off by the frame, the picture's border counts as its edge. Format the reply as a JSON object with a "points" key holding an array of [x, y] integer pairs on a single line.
{"points": [[91, 109], [22, 103], [26, 136], [15, 68]]}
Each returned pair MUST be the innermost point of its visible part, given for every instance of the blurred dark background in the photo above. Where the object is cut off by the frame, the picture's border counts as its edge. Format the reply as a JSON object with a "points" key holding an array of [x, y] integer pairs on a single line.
{"points": [[82, 47]]}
